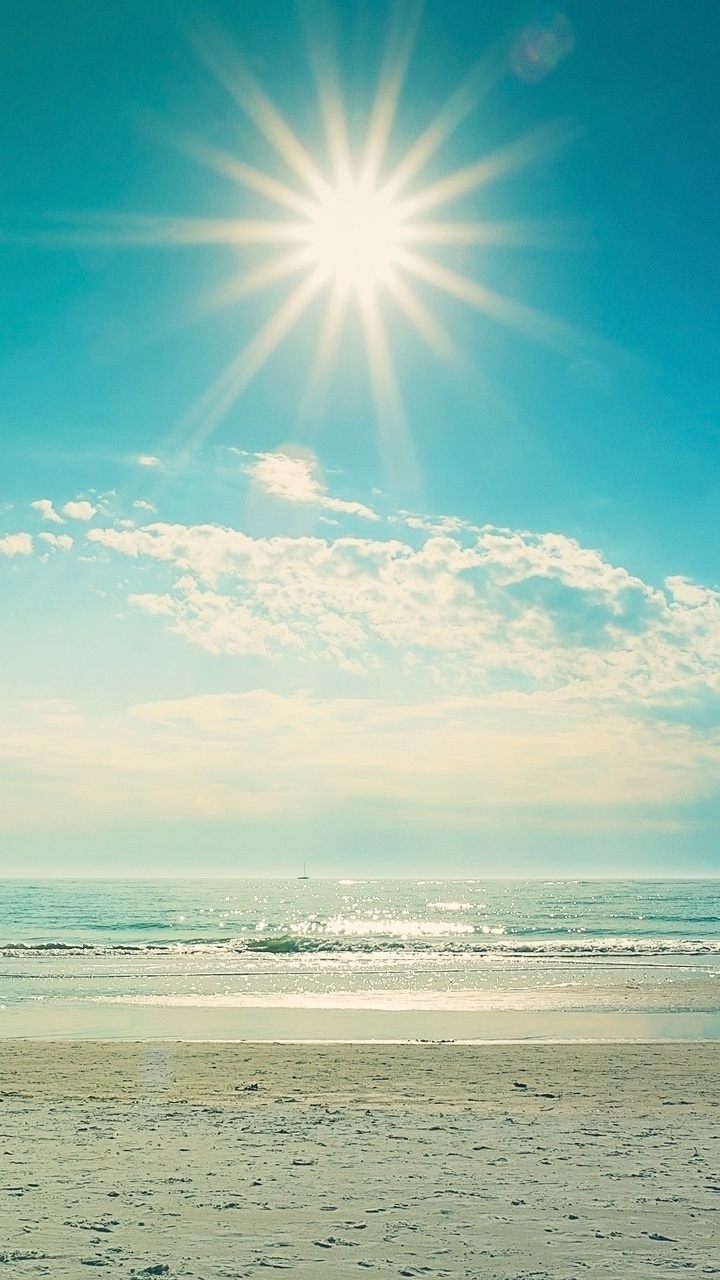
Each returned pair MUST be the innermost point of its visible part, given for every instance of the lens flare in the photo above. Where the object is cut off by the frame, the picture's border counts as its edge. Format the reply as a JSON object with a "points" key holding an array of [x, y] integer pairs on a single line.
{"points": [[540, 48]]}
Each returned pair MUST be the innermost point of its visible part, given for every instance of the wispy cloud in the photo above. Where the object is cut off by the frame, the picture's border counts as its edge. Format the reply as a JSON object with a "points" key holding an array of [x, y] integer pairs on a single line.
{"points": [[460, 761], [298, 479], [461, 754]]}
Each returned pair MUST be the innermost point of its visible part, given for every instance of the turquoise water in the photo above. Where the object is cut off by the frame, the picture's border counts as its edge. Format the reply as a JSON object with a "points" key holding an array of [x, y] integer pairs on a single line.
{"points": [[590, 918], [212, 957]]}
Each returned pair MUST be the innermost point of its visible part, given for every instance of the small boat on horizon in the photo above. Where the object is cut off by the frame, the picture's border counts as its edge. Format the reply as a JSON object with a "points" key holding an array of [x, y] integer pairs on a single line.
{"points": [[304, 875]]}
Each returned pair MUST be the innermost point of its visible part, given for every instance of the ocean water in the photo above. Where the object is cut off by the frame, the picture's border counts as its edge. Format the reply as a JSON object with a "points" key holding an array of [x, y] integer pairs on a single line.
{"points": [[666, 917], [399, 946]]}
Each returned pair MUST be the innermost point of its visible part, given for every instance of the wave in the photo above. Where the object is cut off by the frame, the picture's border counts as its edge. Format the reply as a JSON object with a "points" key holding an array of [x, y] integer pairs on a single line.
{"points": [[460, 941], [384, 927]]}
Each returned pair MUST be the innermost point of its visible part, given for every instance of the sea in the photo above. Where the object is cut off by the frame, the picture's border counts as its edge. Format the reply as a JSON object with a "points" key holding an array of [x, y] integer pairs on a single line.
{"points": [[360, 959]]}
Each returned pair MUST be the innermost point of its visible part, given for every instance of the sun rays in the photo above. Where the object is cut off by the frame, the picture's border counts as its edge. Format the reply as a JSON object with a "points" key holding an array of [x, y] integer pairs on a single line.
{"points": [[355, 231]]}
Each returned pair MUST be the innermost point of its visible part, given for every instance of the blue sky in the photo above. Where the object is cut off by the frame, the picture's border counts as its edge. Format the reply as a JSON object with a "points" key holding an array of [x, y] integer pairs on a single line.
{"points": [[480, 634]]}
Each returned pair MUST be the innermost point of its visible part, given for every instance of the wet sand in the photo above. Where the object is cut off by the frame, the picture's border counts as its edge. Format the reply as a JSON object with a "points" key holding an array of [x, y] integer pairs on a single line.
{"points": [[513, 1162], [634, 1003]]}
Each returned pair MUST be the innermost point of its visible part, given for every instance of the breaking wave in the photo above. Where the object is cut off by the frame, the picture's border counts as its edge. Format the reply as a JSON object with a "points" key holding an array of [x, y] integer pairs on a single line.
{"points": [[370, 937]]}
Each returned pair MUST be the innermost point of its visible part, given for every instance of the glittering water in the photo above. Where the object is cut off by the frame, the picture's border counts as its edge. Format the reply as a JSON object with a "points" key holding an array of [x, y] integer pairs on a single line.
{"points": [[616, 917], [420, 944]]}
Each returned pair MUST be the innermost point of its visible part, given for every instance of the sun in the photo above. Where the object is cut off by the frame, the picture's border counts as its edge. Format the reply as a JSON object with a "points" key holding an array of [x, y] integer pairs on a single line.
{"points": [[354, 230], [355, 237]]}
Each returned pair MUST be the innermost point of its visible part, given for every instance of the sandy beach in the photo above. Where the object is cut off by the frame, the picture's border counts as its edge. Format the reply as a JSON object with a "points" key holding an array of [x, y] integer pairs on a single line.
{"points": [[501, 1162]]}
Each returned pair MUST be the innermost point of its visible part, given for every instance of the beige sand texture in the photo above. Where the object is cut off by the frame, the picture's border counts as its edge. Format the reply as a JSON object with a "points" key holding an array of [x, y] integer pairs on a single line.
{"points": [[526, 1162]]}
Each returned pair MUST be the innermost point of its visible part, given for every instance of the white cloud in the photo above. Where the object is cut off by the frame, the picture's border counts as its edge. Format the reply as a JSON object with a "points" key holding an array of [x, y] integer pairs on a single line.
{"points": [[142, 505], [60, 541], [495, 610], [687, 593], [47, 510], [148, 460], [159, 606], [297, 479], [16, 544], [80, 510], [512, 674], [55, 711]]}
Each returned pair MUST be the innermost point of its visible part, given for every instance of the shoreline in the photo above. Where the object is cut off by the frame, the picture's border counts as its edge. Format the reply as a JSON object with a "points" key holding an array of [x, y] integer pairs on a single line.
{"points": [[59, 1021]]}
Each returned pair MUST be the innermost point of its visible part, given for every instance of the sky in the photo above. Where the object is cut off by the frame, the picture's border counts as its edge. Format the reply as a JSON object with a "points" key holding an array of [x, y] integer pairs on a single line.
{"points": [[358, 500]]}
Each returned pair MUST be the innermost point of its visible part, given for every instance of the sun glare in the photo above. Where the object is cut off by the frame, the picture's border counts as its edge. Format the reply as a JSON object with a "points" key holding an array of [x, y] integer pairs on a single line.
{"points": [[356, 230]]}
